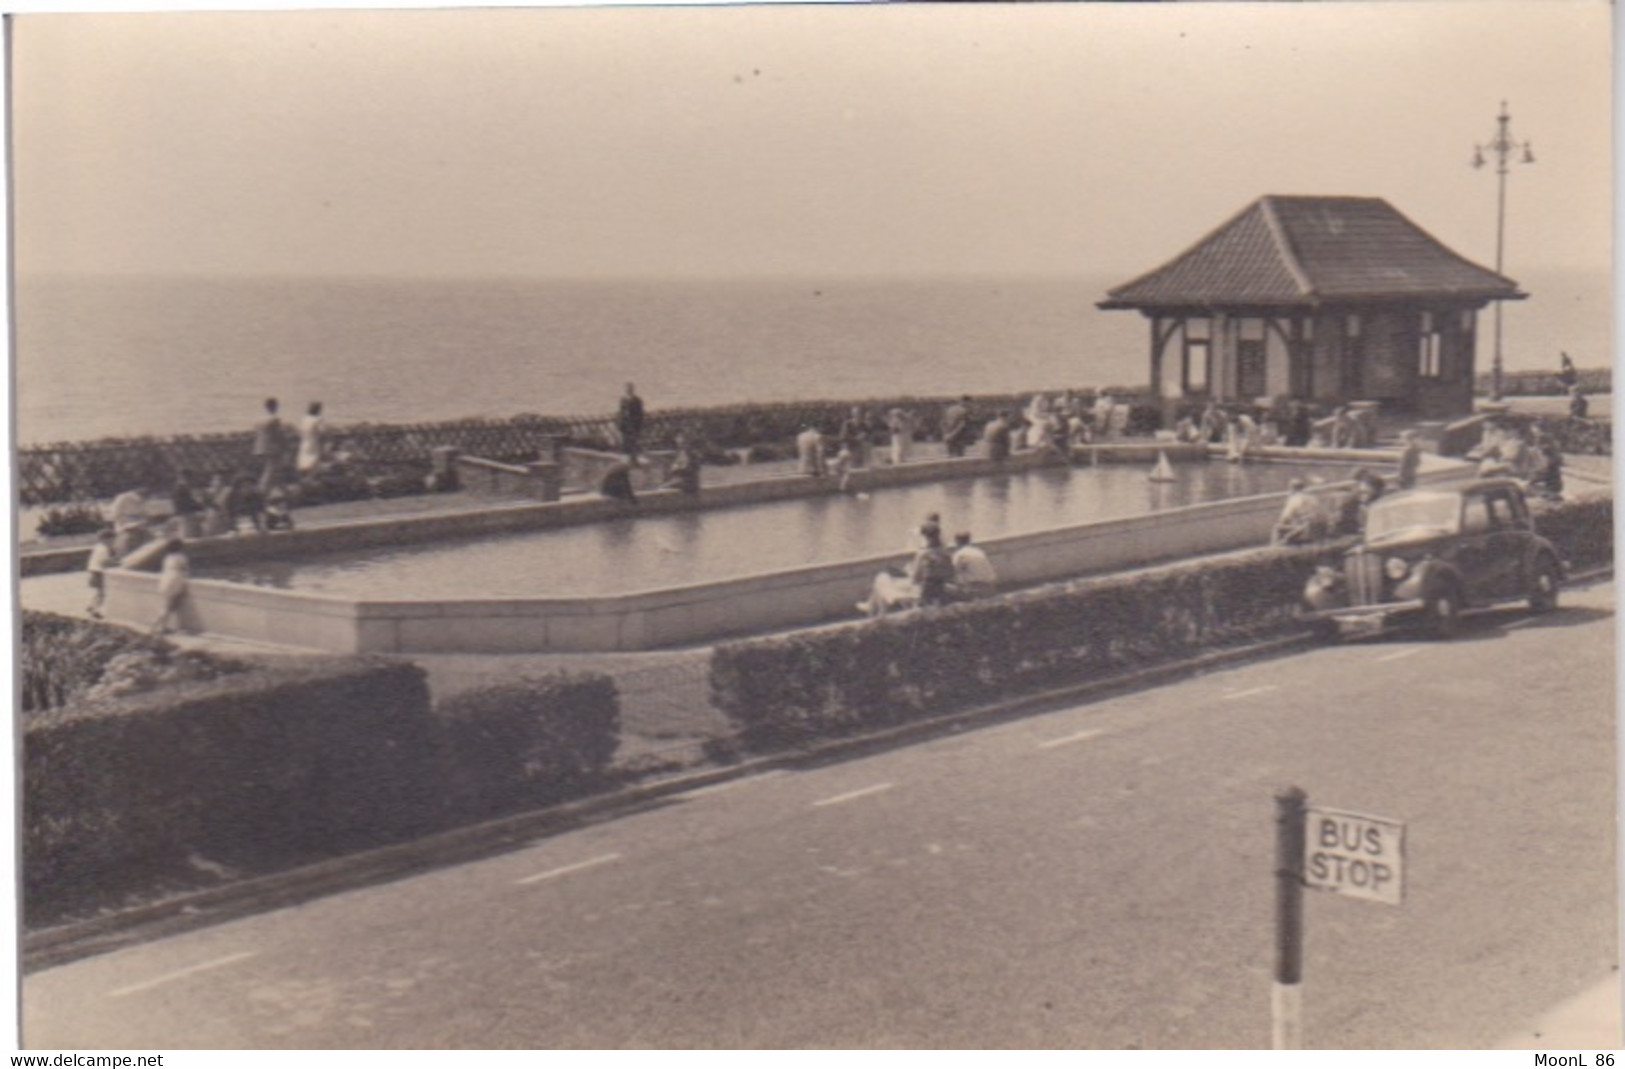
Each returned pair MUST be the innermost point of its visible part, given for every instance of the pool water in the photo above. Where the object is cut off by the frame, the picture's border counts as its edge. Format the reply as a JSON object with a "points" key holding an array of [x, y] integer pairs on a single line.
{"points": [[650, 552]]}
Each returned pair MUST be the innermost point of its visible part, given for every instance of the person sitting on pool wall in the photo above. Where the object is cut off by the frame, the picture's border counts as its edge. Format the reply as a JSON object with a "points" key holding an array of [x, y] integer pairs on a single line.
{"points": [[974, 575], [617, 483]]}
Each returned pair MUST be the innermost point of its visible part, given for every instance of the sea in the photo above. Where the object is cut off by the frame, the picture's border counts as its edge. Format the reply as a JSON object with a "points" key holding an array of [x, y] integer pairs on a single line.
{"points": [[100, 356]]}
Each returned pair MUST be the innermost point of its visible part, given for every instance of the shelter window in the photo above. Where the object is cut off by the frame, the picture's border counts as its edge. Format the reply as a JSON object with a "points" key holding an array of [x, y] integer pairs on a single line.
{"points": [[1252, 329], [1351, 326], [1198, 354], [1429, 360]]}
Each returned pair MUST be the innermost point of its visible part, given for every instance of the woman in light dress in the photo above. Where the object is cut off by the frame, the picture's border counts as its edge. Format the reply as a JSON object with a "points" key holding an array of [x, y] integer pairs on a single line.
{"points": [[173, 577], [310, 439]]}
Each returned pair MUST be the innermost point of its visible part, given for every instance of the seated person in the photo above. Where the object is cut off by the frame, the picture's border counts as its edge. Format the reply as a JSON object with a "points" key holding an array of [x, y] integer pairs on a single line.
{"points": [[1548, 481], [247, 501], [891, 589], [1301, 521], [278, 516], [974, 576], [617, 483], [684, 473], [932, 568]]}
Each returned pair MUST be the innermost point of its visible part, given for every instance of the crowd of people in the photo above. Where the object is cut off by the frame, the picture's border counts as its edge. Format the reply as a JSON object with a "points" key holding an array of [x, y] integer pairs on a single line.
{"points": [[258, 497], [1315, 510]]}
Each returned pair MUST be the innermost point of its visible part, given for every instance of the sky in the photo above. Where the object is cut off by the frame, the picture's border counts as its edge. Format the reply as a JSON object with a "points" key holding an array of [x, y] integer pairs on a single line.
{"points": [[771, 140]]}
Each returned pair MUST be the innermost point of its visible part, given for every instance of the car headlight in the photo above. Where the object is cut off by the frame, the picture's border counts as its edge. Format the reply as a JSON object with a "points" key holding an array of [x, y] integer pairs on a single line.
{"points": [[1397, 568]]}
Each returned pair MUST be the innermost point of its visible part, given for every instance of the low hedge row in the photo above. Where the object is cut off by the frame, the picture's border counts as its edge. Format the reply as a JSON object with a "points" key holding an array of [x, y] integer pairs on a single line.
{"points": [[528, 742], [1582, 529], [786, 691], [1544, 383], [284, 764]]}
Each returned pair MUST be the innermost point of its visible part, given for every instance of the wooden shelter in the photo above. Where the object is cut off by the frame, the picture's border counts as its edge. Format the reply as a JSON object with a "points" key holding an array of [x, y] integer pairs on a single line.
{"points": [[1324, 299]]}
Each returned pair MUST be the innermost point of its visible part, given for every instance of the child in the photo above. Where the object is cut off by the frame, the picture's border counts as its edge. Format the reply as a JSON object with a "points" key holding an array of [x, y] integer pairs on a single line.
{"points": [[249, 501], [841, 468], [101, 559], [173, 575], [277, 515]]}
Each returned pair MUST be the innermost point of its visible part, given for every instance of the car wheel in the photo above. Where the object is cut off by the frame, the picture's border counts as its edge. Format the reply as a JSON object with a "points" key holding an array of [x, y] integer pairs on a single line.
{"points": [[1444, 613], [1544, 585]]}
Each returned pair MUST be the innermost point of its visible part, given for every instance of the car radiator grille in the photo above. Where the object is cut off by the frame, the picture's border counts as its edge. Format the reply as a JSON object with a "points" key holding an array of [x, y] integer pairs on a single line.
{"points": [[1363, 572]]}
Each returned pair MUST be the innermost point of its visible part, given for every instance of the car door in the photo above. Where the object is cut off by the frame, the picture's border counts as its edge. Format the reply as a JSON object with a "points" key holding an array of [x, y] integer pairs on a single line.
{"points": [[1509, 533], [1473, 555]]}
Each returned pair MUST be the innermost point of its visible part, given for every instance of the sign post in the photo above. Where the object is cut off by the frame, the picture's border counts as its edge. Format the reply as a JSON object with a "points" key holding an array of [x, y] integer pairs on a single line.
{"points": [[1286, 995], [1352, 854]]}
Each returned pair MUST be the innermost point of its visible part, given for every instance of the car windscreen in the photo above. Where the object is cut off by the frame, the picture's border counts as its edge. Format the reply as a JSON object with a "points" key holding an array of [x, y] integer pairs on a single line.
{"points": [[1410, 512]]}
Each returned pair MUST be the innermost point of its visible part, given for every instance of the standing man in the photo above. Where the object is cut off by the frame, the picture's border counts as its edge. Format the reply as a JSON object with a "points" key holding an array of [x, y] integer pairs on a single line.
{"points": [[1567, 375], [1410, 459], [129, 520], [855, 436], [956, 426], [268, 446], [629, 421]]}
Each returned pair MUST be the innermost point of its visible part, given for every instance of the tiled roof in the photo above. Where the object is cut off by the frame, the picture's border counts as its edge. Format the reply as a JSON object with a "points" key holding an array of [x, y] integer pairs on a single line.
{"points": [[1302, 250]]}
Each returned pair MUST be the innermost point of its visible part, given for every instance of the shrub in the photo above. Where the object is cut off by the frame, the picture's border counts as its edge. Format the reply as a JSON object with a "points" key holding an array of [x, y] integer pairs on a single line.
{"points": [[77, 518], [259, 769], [1582, 529], [63, 659], [528, 741]]}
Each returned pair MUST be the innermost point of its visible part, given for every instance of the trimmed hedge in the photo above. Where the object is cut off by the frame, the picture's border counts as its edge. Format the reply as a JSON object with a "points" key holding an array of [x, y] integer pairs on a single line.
{"points": [[526, 742], [1582, 529], [282, 764], [787, 691], [263, 768]]}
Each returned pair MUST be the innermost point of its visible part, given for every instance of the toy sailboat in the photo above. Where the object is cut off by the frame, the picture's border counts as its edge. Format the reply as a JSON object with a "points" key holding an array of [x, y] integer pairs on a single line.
{"points": [[1164, 471]]}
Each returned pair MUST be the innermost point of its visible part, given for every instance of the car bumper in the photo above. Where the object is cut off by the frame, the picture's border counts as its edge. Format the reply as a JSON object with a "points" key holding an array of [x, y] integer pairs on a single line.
{"points": [[1364, 619]]}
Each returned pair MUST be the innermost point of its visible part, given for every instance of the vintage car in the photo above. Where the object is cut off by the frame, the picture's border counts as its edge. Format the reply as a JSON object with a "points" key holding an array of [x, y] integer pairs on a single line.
{"points": [[1428, 554]]}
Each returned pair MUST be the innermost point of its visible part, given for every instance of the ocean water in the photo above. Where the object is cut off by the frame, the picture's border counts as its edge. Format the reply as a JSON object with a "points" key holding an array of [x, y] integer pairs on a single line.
{"points": [[99, 356]]}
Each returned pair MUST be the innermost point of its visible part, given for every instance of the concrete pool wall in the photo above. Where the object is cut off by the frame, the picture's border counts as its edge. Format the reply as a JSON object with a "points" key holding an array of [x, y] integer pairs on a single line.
{"points": [[683, 614]]}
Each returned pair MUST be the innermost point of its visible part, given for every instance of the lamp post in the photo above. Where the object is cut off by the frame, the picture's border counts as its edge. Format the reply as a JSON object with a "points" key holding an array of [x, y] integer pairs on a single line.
{"points": [[1502, 147]]}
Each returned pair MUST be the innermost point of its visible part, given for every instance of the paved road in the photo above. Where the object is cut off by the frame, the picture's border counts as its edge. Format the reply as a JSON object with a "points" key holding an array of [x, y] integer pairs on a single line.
{"points": [[1095, 876]]}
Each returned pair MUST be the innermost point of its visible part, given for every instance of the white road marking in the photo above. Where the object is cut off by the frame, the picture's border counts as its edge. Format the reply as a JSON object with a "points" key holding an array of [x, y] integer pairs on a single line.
{"points": [[1399, 655], [577, 867], [1520, 622], [728, 785], [850, 795], [180, 974], [1079, 737], [1249, 693]]}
